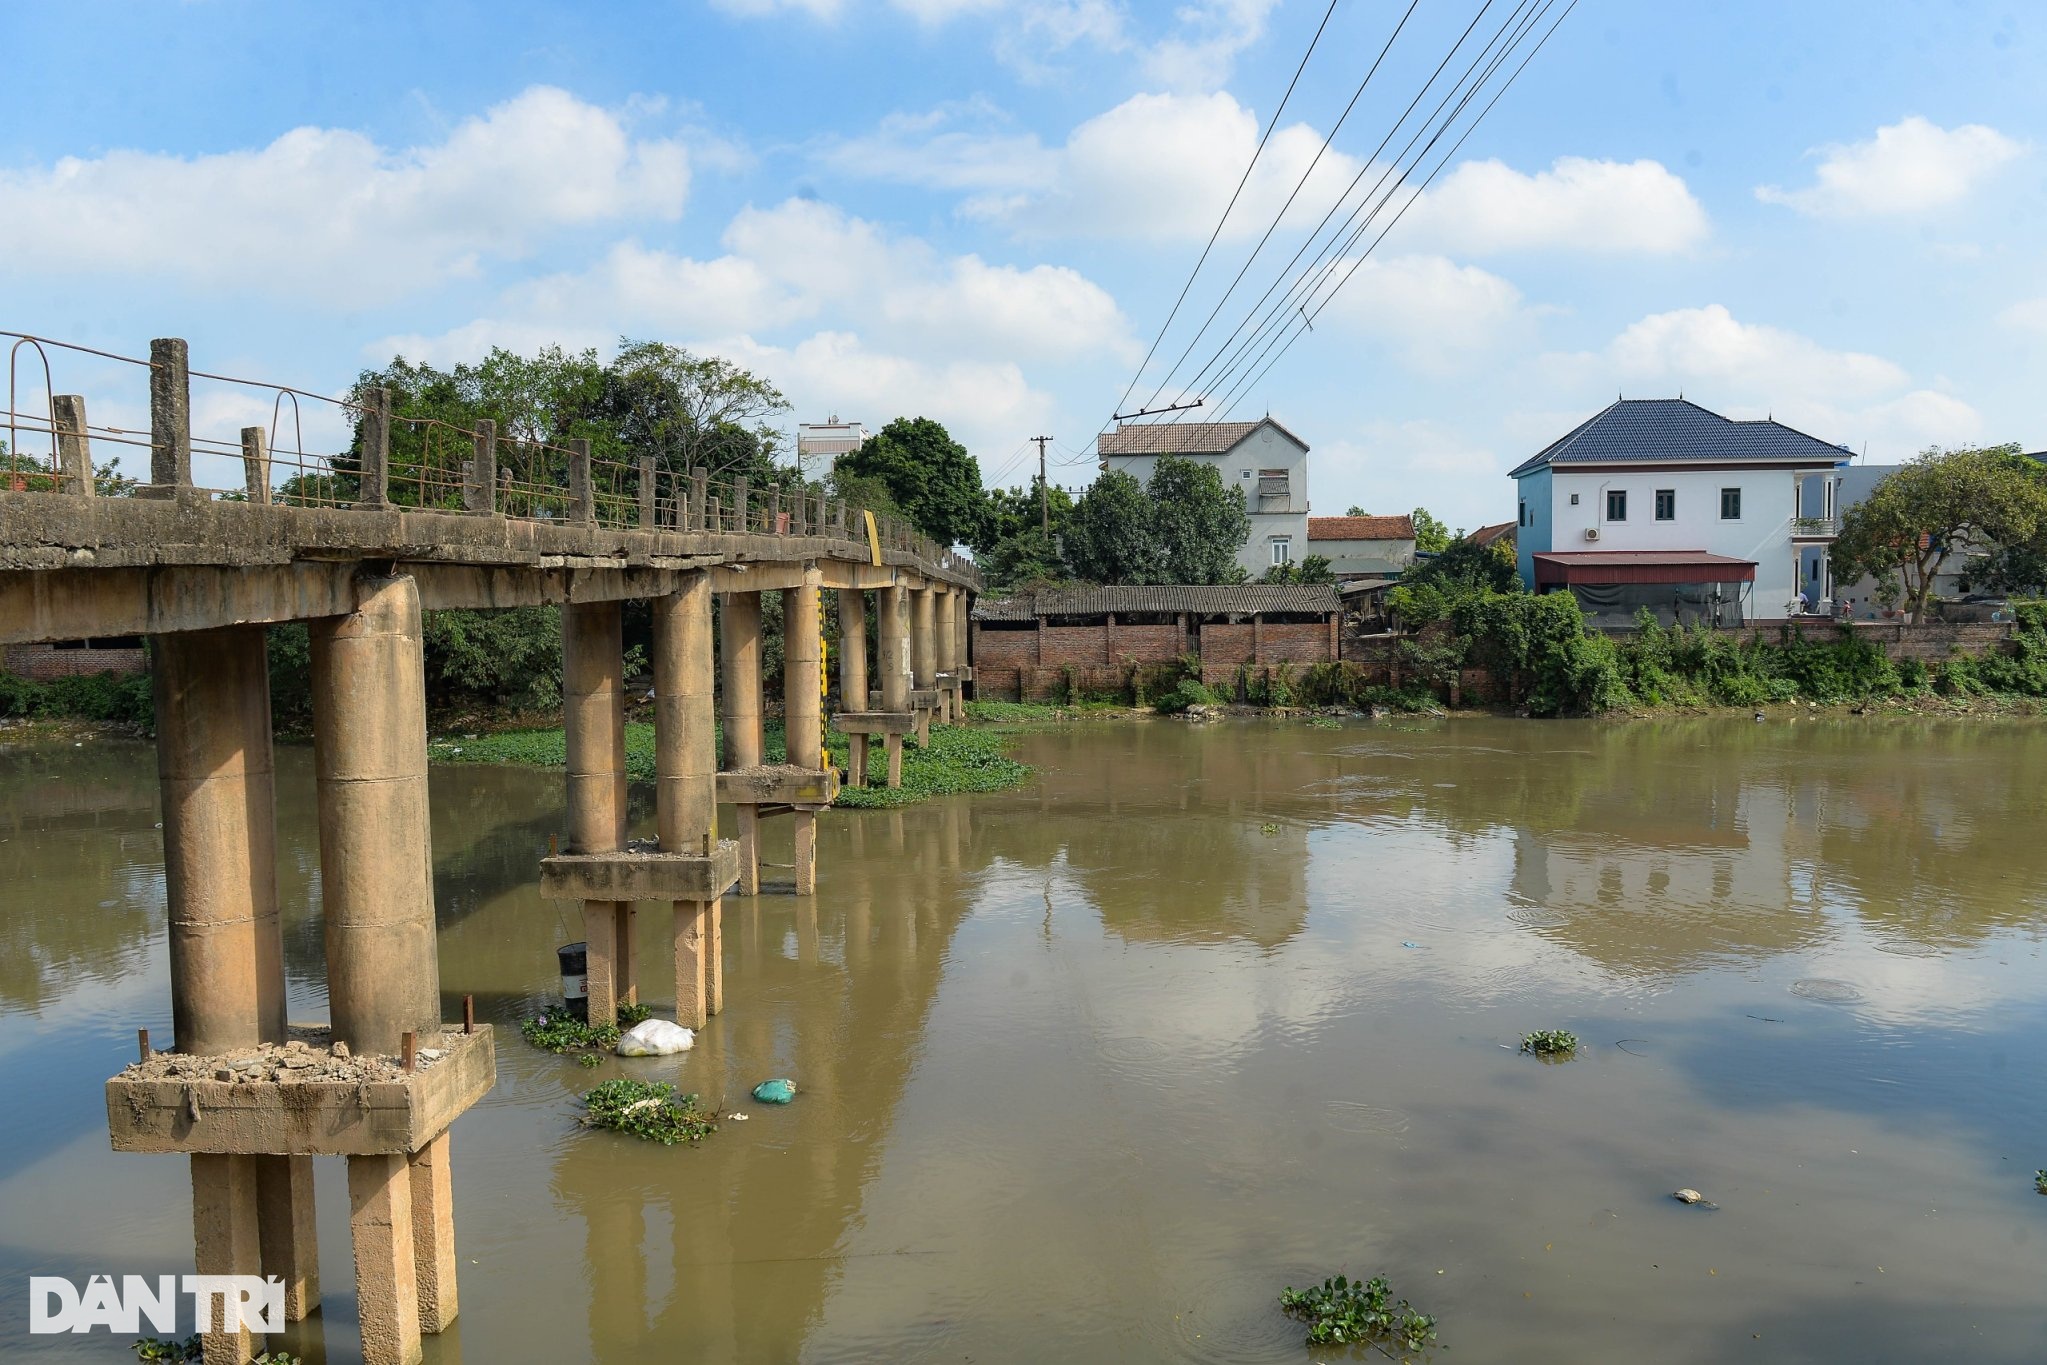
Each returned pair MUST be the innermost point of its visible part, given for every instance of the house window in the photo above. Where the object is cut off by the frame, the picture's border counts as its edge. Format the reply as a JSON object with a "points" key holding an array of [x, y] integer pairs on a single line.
{"points": [[1522, 518], [1574, 499], [1282, 549], [1617, 504], [1243, 473], [1272, 483], [1666, 504], [1730, 504]]}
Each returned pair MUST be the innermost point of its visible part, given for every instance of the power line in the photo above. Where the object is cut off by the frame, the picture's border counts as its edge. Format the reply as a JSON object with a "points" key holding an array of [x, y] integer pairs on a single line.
{"points": [[1446, 158], [1242, 181], [1225, 347], [1356, 95]]}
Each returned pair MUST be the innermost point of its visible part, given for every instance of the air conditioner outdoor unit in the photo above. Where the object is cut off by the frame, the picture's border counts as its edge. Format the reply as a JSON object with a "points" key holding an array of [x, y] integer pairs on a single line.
{"points": [[1592, 533]]}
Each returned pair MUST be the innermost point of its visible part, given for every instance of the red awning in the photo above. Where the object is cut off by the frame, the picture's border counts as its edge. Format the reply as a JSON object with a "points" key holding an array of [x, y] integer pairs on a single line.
{"points": [[1641, 566]]}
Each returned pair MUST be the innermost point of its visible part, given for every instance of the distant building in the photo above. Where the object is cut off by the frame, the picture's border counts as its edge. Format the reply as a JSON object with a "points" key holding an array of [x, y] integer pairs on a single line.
{"points": [[1488, 535], [827, 440], [1662, 504], [1263, 458], [1363, 547]]}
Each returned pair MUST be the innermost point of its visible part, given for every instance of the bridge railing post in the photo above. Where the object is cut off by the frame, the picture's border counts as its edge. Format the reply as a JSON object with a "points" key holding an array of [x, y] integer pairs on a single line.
{"points": [[374, 484], [647, 500], [74, 451], [582, 497], [170, 416], [739, 505], [480, 489], [256, 464], [699, 490]]}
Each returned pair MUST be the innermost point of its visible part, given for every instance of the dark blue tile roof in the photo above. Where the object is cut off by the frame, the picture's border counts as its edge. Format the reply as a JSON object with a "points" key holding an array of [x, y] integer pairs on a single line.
{"points": [[1633, 430]]}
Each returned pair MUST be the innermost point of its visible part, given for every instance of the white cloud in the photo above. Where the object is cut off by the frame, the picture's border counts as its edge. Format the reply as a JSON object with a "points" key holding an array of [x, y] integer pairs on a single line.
{"points": [[1438, 315], [1162, 167], [761, 9], [2027, 315], [1909, 166], [330, 213], [1202, 57], [1701, 348], [1576, 205], [960, 146], [1749, 370]]}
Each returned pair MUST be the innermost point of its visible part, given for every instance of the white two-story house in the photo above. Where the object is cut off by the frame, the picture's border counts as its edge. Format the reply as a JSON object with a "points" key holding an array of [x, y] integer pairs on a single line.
{"points": [[1263, 458], [1662, 504]]}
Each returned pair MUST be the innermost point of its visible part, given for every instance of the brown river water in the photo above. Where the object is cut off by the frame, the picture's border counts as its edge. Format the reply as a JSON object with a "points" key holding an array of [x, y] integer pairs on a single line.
{"points": [[1089, 1071]]}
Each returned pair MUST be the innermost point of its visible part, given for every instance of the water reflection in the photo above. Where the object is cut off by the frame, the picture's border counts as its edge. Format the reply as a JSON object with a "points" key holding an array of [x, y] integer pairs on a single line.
{"points": [[1087, 1070]]}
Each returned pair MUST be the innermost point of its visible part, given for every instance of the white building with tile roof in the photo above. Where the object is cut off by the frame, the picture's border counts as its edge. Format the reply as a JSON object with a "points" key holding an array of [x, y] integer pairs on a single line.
{"points": [[1262, 458]]}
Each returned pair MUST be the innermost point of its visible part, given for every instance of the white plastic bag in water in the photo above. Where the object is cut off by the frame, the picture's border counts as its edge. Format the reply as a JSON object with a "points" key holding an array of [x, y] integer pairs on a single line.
{"points": [[655, 1038]]}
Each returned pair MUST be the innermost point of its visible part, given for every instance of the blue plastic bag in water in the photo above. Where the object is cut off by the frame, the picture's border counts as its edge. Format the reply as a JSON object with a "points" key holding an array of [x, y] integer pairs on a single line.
{"points": [[775, 1092]]}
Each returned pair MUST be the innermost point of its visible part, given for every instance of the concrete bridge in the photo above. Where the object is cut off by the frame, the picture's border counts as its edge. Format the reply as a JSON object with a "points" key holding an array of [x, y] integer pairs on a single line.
{"points": [[357, 554]]}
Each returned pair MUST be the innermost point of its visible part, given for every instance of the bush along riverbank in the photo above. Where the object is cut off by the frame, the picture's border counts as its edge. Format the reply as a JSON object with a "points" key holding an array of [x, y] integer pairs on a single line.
{"points": [[959, 759]]}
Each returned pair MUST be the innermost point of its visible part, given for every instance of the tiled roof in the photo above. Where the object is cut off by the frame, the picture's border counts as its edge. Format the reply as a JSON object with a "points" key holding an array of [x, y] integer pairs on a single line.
{"points": [[1243, 599], [1361, 528], [1658, 429], [1183, 438], [1486, 535]]}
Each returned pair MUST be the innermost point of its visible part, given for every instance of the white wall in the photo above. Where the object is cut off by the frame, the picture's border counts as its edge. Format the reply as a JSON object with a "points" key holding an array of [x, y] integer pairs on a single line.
{"points": [[1265, 448], [1769, 499]]}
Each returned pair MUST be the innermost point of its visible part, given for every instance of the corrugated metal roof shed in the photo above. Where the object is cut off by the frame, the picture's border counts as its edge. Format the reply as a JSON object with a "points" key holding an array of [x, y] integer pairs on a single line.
{"points": [[1655, 430], [1246, 599]]}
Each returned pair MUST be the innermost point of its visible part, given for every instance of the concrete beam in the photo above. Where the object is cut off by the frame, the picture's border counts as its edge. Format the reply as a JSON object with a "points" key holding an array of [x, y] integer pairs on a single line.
{"points": [[311, 1118], [640, 876], [875, 722], [778, 784]]}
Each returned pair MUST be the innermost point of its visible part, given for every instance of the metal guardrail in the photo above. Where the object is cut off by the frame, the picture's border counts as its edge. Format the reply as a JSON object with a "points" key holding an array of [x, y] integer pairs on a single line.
{"points": [[1815, 526], [437, 467]]}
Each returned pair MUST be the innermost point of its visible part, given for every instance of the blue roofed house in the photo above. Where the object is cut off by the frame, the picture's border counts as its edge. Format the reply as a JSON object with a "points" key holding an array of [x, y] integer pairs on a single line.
{"points": [[1660, 503]]}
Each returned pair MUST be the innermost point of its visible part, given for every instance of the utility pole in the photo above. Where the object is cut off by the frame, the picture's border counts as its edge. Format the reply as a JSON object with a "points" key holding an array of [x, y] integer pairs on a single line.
{"points": [[1044, 488]]}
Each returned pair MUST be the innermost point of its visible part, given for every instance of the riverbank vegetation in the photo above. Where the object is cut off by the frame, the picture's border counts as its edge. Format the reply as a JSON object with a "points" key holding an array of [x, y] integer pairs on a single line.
{"points": [[960, 759]]}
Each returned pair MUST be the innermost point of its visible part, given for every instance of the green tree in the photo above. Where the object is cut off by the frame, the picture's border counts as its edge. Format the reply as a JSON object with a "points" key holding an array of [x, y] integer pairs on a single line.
{"points": [[1432, 589], [1944, 503], [1015, 549], [1312, 569], [1199, 522], [1357, 511], [930, 476], [1113, 540], [1430, 536], [2015, 570]]}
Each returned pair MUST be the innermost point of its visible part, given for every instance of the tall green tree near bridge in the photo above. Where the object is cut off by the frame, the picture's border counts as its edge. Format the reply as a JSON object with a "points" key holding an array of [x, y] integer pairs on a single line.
{"points": [[1186, 526], [927, 474]]}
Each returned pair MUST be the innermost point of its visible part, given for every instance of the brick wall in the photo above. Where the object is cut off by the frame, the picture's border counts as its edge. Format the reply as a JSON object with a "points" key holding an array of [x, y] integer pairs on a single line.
{"points": [[1303, 642], [1007, 663], [1145, 644], [44, 662]]}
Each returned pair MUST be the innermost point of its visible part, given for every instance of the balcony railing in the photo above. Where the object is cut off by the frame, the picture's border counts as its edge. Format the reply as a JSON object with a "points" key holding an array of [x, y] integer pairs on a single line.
{"points": [[1815, 526]]}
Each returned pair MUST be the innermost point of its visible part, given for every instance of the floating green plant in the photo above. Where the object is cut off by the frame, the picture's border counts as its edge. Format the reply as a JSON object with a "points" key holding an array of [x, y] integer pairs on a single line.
{"points": [[1550, 1042], [1342, 1311]]}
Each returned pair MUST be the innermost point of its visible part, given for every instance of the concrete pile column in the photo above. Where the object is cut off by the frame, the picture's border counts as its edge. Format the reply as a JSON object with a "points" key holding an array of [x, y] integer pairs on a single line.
{"points": [[893, 635], [853, 675], [383, 979], [227, 954], [963, 606], [923, 653], [686, 791], [947, 645], [593, 712], [803, 709], [739, 619]]}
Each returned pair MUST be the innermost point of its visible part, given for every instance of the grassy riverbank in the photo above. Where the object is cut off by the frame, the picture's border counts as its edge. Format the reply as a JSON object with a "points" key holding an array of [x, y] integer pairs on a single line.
{"points": [[960, 758]]}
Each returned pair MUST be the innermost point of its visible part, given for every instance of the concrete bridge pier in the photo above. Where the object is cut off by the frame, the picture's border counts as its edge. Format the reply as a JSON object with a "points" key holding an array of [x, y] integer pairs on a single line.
{"points": [[853, 676], [947, 643], [227, 954], [803, 711], [740, 665], [593, 715], [383, 977], [894, 634], [686, 793], [923, 658]]}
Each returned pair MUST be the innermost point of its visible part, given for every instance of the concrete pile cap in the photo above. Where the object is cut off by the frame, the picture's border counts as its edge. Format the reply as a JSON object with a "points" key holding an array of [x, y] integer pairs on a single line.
{"points": [[299, 1100]]}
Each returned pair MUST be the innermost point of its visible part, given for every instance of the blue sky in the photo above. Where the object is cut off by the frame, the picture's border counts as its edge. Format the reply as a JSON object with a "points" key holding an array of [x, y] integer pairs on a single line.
{"points": [[981, 211]]}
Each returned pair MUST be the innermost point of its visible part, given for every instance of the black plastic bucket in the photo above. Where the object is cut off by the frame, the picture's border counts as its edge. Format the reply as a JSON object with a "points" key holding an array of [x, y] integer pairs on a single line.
{"points": [[575, 970]]}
